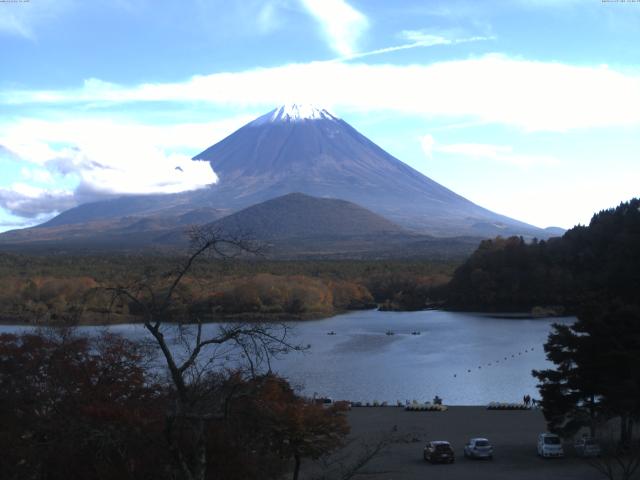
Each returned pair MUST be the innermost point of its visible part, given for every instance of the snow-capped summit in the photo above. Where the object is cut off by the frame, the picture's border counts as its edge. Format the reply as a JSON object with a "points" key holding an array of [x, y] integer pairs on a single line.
{"points": [[294, 112]]}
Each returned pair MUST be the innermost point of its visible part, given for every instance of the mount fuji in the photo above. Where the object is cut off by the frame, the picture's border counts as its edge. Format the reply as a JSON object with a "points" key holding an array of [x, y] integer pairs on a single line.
{"points": [[291, 149], [305, 149]]}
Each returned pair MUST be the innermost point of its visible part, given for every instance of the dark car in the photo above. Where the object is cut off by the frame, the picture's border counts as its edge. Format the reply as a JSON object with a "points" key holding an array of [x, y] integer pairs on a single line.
{"points": [[439, 451]]}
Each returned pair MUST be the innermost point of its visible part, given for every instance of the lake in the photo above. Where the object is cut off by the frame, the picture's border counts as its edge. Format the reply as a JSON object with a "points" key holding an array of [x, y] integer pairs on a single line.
{"points": [[466, 359]]}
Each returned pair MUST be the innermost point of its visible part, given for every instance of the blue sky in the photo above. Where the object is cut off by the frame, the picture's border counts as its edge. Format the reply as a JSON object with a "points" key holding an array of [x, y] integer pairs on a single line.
{"points": [[530, 107]]}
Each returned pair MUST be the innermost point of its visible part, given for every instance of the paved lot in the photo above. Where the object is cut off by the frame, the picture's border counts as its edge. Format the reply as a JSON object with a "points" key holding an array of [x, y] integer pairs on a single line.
{"points": [[513, 434]]}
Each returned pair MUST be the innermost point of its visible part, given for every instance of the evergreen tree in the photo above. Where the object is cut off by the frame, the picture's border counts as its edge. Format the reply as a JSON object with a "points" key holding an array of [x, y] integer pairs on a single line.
{"points": [[596, 375]]}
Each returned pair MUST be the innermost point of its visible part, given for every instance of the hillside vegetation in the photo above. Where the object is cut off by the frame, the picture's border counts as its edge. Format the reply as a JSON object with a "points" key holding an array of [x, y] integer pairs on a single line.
{"points": [[588, 263], [70, 289]]}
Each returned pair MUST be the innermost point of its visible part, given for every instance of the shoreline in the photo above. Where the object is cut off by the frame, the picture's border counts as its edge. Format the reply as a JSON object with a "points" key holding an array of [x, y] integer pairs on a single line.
{"points": [[274, 318]]}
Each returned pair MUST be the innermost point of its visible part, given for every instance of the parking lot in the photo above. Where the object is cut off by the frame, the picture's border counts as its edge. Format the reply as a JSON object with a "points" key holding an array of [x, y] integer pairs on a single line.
{"points": [[512, 433]]}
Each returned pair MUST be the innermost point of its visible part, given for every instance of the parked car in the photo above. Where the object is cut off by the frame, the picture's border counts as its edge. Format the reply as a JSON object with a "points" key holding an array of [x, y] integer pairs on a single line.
{"points": [[478, 448], [439, 451], [550, 445], [587, 447]]}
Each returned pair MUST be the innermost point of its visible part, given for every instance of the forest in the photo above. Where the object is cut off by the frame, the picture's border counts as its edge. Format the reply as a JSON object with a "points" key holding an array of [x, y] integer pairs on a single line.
{"points": [[593, 263], [67, 289], [551, 277]]}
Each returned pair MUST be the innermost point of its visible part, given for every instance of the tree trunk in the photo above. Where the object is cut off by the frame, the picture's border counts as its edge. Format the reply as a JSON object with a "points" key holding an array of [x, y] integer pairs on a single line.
{"points": [[624, 429], [296, 469], [182, 469], [593, 415], [200, 460]]}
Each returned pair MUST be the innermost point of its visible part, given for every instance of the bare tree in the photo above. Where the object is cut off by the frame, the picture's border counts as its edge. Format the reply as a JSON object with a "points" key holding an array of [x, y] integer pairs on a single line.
{"points": [[617, 462], [356, 455], [195, 401]]}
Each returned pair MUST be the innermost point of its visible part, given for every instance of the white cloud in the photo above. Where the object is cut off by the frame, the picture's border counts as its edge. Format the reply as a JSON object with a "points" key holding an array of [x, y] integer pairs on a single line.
{"points": [[23, 19], [427, 143], [423, 37], [530, 95], [36, 174], [343, 25], [12, 25], [107, 158], [31, 202], [269, 16], [485, 151]]}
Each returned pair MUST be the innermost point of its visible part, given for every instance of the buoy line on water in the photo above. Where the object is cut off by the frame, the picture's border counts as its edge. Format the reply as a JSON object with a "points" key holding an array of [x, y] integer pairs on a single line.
{"points": [[496, 362]]}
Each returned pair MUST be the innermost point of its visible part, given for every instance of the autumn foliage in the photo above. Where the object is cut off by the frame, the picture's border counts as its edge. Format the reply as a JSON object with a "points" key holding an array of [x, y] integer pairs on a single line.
{"points": [[70, 290], [74, 407], [297, 294]]}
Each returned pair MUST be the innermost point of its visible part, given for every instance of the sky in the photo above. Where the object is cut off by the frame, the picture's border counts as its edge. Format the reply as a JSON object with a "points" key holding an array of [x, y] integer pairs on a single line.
{"points": [[530, 108]]}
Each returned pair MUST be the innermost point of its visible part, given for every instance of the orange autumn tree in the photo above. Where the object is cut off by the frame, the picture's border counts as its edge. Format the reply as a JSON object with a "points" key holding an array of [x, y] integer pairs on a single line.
{"points": [[297, 427]]}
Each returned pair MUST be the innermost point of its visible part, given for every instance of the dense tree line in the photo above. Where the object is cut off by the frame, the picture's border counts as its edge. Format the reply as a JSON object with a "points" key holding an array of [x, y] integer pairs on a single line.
{"points": [[599, 261], [111, 266], [61, 289]]}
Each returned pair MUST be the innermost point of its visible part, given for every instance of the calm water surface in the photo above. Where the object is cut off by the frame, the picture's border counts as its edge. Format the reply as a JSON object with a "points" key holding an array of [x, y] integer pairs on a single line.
{"points": [[466, 359]]}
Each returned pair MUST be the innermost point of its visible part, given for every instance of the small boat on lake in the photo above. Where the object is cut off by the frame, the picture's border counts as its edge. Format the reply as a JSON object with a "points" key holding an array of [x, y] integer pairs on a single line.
{"points": [[416, 333], [331, 333], [389, 332]]}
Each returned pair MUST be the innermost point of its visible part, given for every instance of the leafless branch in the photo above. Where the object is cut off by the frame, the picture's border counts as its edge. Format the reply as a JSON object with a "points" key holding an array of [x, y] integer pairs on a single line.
{"points": [[349, 463], [196, 399], [617, 462]]}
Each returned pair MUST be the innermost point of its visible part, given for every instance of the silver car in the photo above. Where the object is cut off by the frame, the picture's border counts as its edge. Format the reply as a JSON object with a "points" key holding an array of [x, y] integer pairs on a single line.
{"points": [[478, 448]]}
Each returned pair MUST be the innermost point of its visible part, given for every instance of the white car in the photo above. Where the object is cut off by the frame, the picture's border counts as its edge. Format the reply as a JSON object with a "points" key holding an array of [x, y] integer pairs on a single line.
{"points": [[550, 445], [478, 448], [587, 447]]}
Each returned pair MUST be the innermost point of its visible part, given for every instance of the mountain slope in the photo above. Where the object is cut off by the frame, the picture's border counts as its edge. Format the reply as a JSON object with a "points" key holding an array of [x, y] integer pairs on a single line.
{"points": [[300, 226], [321, 155], [296, 215], [290, 149]]}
